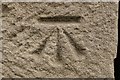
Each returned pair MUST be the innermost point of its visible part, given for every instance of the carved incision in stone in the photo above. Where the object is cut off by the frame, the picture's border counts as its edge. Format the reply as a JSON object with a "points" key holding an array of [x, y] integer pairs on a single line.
{"points": [[60, 19], [58, 40], [80, 49]]}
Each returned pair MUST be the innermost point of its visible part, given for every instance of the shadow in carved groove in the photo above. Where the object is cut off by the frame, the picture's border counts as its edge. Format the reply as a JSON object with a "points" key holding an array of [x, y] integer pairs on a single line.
{"points": [[60, 19], [77, 46], [59, 48], [43, 45]]}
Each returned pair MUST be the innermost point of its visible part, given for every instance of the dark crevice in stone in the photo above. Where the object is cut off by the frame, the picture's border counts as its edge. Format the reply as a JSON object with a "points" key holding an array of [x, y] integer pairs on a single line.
{"points": [[60, 19], [59, 48]]}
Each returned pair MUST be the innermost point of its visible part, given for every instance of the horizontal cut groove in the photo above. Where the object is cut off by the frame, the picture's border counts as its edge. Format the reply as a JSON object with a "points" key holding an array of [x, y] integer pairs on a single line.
{"points": [[60, 19]]}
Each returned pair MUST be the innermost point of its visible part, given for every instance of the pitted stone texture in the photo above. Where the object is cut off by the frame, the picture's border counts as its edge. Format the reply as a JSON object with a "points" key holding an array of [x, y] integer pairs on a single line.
{"points": [[32, 48]]}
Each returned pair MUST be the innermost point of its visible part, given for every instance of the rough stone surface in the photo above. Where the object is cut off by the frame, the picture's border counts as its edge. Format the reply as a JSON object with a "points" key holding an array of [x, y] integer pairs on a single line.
{"points": [[35, 48], [0, 41], [59, 0]]}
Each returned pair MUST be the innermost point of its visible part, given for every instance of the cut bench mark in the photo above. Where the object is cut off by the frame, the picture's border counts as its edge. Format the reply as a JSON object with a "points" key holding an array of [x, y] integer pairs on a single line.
{"points": [[57, 30], [60, 19]]}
